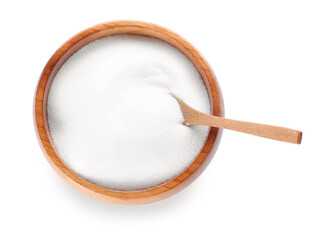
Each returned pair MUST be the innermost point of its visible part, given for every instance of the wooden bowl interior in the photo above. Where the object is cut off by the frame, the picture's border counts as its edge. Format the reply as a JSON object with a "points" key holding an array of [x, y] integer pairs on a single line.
{"points": [[125, 197]]}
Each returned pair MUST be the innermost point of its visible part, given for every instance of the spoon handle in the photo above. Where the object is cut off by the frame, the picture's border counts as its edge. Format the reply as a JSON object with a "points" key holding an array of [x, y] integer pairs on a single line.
{"points": [[194, 117], [258, 129]]}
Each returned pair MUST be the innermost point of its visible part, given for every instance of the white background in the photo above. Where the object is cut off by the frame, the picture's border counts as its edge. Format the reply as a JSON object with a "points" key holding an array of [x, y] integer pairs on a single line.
{"points": [[267, 58]]}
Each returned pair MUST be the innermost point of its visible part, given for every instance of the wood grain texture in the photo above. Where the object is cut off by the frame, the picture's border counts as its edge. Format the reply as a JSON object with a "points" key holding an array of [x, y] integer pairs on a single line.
{"points": [[125, 197], [194, 117]]}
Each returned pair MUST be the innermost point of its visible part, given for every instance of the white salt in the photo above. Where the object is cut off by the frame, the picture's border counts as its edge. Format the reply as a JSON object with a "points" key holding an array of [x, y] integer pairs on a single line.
{"points": [[112, 118]]}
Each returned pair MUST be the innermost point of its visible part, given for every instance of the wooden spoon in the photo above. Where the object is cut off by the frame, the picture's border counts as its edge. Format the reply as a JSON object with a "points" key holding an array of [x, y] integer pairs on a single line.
{"points": [[194, 117]]}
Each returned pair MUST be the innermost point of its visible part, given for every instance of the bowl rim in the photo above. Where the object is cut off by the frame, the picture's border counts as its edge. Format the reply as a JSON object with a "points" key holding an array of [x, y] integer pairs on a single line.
{"points": [[114, 196]]}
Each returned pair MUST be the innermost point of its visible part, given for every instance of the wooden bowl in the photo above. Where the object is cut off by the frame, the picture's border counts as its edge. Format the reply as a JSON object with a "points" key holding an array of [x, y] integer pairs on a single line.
{"points": [[125, 197]]}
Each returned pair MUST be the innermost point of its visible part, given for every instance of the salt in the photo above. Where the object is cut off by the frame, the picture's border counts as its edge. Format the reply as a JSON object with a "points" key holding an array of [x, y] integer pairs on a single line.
{"points": [[112, 118]]}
